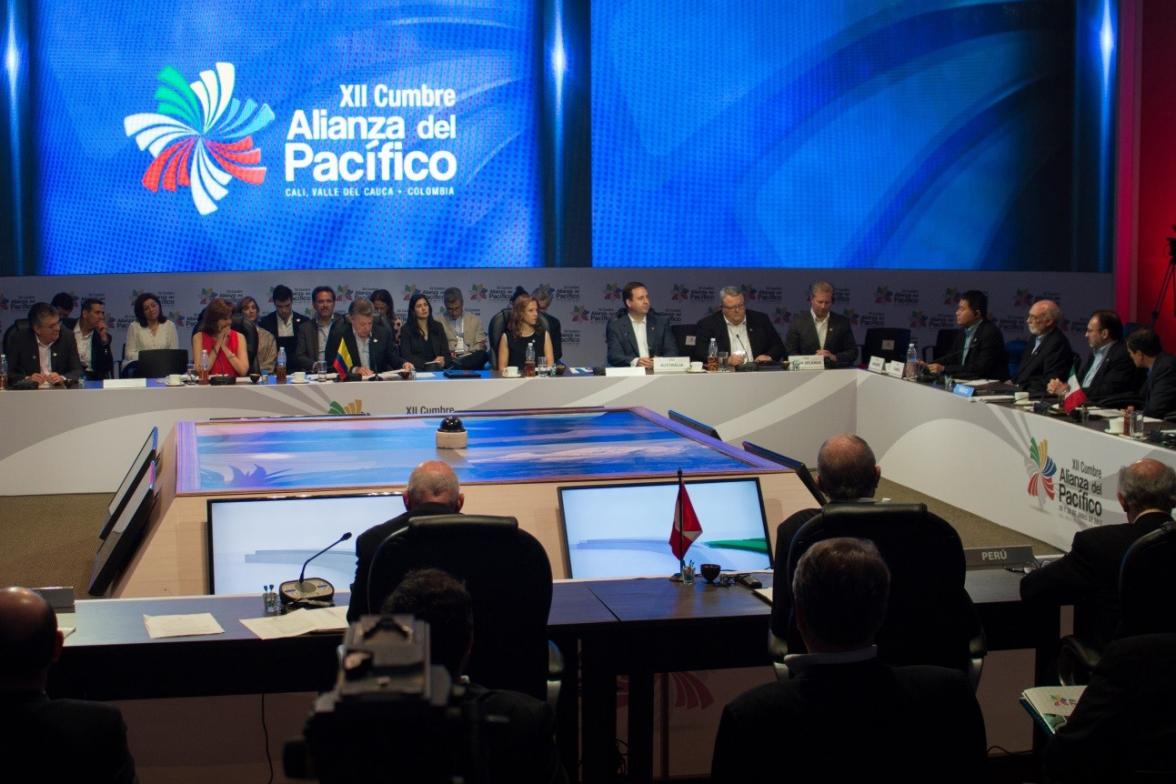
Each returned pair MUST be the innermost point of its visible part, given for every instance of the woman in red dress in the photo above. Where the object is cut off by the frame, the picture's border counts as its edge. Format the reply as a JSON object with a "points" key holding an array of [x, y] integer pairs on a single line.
{"points": [[226, 348]]}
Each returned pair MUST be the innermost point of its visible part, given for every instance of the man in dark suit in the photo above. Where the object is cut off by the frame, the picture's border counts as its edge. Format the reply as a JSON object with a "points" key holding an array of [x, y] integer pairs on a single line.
{"points": [[64, 303], [1159, 389], [744, 335], [44, 739], [843, 715], [369, 345], [979, 348], [1123, 726], [1108, 374], [636, 336], [821, 331], [1088, 576], [314, 335], [847, 472], [283, 322], [45, 353], [432, 489], [523, 748], [93, 340], [1048, 355]]}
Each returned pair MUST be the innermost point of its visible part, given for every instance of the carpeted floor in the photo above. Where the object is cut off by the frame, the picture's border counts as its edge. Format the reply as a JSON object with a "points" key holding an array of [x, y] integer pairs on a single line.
{"points": [[51, 540]]}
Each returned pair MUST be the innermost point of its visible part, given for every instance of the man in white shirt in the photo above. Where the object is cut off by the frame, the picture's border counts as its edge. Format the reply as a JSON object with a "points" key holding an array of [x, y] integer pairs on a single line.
{"points": [[467, 336], [283, 322], [93, 340], [45, 353], [744, 335], [638, 335], [315, 334], [821, 331]]}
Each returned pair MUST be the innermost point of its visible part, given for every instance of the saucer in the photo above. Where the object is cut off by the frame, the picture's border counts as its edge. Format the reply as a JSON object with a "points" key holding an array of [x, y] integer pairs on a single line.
{"points": [[170, 384], [303, 381], [1023, 402], [688, 370]]}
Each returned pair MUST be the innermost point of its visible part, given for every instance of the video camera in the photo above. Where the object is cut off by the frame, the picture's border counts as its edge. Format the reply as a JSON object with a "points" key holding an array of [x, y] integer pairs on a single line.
{"points": [[392, 716]]}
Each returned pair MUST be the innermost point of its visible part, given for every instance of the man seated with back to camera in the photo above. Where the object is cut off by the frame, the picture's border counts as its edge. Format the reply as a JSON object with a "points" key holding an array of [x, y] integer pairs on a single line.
{"points": [[1108, 374], [433, 489], [44, 739], [846, 473], [978, 350], [1088, 576], [370, 346], [45, 353], [843, 715], [522, 750]]}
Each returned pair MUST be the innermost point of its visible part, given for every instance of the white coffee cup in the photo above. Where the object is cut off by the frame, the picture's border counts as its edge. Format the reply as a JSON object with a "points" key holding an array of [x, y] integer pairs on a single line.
{"points": [[174, 380], [298, 377], [1115, 425], [1020, 397], [695, 367], [510, 372]]}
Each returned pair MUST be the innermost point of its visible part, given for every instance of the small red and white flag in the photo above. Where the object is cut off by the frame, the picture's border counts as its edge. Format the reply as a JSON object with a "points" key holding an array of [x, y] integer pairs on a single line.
{"points": [[1076, 396], [686, 526]]}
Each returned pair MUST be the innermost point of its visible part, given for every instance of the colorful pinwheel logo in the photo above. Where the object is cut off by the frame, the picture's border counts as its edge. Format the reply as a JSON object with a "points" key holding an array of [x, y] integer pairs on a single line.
{"points": [[1042, 469], [200, 136]]}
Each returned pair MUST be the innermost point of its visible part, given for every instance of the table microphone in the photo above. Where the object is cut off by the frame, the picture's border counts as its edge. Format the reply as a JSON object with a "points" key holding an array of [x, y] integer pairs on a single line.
{"points": [[316, 589]]}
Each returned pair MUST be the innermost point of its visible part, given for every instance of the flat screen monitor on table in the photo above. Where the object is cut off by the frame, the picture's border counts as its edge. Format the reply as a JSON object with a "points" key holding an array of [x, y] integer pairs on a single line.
{"points": [[125, 533], [624, 530], [144, 458], [263, 541]]}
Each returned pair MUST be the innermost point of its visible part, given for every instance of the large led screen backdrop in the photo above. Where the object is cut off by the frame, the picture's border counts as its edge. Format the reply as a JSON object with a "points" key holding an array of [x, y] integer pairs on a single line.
{"points": [[847, 133], [266, 134]]}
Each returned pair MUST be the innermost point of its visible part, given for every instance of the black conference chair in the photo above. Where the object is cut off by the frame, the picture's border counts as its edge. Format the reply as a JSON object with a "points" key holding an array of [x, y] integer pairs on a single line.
{"points": [[930, 618], [508, 576], [159, 362], [18, 326], [686, 336], [694, 424], [890, 343], [944, 340], [1147, 580], [798, 466], [1014, 349]]}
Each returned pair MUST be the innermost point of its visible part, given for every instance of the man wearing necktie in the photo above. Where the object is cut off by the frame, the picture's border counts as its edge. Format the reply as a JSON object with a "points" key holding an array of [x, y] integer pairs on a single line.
{"points": [[745, 335], [1160, 389]]}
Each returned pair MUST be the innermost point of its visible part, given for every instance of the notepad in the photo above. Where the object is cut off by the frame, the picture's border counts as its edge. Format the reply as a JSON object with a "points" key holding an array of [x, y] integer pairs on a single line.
{"points": [[191, 625], [297, 623], [1051, 706]]}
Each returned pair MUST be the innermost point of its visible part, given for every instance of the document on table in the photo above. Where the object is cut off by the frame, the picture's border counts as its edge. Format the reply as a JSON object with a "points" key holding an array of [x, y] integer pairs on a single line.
{"points": [[297, 623], [765, 594], [1051, 706], [994, 399], [192, 625]]}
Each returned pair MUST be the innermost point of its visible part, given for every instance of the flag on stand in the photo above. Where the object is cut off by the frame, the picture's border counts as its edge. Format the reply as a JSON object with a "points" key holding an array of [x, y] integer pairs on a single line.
{"points": [[1076, 396], [342, 363], [686, 526]]}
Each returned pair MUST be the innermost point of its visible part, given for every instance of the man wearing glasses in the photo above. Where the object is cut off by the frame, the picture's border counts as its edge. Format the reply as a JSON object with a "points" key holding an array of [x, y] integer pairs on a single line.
{"points": [[744, 335], [1048, 355]]}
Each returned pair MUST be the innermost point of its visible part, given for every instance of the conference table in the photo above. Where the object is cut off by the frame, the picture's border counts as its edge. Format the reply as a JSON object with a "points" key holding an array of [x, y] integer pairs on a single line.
{"points": [[606, 628], [977, 456]]}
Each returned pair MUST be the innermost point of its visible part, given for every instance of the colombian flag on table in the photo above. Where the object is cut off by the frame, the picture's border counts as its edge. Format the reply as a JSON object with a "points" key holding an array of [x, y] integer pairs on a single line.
{"points": [[343, 361]]}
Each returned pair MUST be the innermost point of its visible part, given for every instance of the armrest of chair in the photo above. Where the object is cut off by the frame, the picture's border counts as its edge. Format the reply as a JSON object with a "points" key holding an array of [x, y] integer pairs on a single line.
{"points": [[555, 673], [778, 649], [1076, 661]]}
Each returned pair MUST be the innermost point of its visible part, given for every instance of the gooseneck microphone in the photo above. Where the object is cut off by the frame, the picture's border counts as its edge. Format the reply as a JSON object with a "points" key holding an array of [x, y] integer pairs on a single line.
{"points": [[302, 574], [315, 592]]}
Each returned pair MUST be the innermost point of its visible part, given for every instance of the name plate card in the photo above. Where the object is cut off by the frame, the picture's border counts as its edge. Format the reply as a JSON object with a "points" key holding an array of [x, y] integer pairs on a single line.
{"points": [[671, 364], [877, 364], [124, 383], [806, 362], [963, 390], [617, 372], [894, 368]]}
